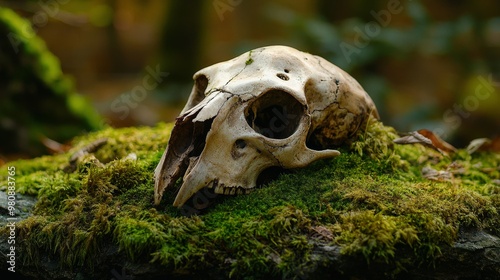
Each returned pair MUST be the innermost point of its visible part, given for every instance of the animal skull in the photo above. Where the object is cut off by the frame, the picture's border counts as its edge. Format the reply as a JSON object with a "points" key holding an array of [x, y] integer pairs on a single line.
{"points": [[272, 106]]}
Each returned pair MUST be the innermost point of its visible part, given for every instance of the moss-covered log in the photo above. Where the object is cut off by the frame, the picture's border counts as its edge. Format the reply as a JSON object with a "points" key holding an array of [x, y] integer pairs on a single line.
{"points": [[368, 213]]}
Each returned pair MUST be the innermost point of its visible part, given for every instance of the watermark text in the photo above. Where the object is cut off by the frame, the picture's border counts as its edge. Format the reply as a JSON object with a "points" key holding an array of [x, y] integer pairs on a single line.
{"points": [[11, 219]]}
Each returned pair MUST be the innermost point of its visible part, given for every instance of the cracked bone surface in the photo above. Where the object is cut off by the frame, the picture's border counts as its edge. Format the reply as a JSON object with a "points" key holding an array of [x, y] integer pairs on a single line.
{"points": [[270, 107]]}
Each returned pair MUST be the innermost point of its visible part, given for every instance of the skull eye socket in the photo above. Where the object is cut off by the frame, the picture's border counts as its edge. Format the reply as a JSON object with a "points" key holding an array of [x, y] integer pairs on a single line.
{"points": [[276, 114]]}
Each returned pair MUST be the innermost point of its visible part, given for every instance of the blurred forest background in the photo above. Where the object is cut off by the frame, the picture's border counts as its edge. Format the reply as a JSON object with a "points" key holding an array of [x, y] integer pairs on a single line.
{"points": [[427, 64]]}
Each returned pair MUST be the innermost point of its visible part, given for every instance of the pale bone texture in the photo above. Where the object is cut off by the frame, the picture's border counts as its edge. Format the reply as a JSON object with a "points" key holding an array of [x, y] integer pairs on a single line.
{"points": [[270, 107]]}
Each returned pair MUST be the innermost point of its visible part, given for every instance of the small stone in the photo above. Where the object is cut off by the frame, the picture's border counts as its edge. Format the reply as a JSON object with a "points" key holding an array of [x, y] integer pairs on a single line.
{"points": [[131, 156]]}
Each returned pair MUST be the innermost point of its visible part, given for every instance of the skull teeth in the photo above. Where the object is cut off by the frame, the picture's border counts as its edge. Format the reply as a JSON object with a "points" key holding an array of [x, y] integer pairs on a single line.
{"points": [[221, 189]]}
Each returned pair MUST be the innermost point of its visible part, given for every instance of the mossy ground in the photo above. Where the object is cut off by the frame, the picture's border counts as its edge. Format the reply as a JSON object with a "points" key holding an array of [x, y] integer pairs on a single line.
{"points": [[371, 200]]}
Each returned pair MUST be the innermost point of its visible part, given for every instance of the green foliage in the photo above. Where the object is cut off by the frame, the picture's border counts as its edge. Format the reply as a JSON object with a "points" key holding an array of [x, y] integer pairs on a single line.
{"points": [[371, 199], [37, 100], [375, 45]]}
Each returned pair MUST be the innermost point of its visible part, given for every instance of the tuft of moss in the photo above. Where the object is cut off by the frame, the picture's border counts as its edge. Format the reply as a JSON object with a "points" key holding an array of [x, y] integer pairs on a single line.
{"points": [[372, 201], [250, 59], [373, 235], [139, 232]]}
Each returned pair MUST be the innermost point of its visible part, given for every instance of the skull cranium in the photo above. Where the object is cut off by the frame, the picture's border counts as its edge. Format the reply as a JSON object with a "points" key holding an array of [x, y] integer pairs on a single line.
{"points": [[272, 106]]}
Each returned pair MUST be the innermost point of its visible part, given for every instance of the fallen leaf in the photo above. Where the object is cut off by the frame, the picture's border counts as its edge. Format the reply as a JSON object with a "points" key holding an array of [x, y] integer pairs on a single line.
{"points": [[476, 144], [53, 146], [90, 148], [456, 168], [413, 138], [485, 145], [427, 138], [437, 142], [495, 145], [322, 233], [435, 175]]}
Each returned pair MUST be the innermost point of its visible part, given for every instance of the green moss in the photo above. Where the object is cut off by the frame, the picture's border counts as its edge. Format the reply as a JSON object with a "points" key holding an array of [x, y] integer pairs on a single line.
{"points": [[32, 80], [372, 200], [139, 232], [375, 236], [250, 59], [145, 143]]}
